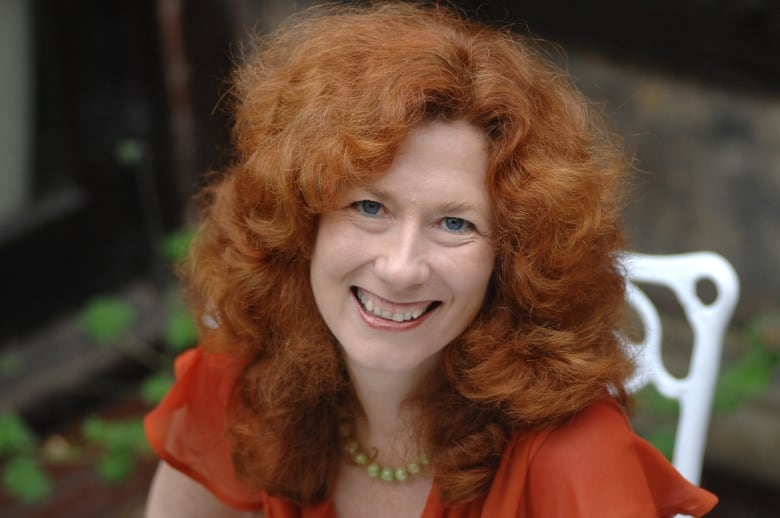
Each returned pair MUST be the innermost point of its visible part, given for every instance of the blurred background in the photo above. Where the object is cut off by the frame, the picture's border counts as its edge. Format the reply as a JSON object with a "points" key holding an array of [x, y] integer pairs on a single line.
{"points": [[110, 117]]}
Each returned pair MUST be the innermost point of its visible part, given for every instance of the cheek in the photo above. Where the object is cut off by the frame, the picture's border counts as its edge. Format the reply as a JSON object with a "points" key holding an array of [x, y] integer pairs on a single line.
{"points": [[319, 266], [471, 275], [326, 243], [482, 265], [336, 252]]}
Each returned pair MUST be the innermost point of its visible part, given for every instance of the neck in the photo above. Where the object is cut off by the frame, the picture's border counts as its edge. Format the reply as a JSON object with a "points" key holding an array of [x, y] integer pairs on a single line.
{"points": [[389, 422]]}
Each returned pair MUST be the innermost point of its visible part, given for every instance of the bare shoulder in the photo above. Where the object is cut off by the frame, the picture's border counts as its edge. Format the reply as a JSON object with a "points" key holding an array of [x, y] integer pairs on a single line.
{"points": [[174, 494]]}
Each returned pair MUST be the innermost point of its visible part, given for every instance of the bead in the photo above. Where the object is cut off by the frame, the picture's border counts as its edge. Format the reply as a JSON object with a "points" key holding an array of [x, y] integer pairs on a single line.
{"points": [[373, 470], [352, 447], [386, 474]]}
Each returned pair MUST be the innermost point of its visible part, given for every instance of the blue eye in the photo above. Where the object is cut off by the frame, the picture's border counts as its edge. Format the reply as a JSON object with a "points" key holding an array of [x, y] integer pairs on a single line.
{"points": [[368, 207], [456, 224]]}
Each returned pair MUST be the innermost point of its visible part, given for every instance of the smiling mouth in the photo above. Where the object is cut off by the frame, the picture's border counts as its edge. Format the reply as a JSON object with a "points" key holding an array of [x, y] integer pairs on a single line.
{"points": [[387, 310]]}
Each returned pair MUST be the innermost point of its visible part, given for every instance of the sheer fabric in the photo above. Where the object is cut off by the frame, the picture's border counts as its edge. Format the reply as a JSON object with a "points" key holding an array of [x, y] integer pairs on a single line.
{"points": [[594, 465]]}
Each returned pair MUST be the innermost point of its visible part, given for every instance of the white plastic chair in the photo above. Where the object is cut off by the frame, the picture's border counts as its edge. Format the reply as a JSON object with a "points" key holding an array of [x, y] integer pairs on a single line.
{"points": [[708, 321]]}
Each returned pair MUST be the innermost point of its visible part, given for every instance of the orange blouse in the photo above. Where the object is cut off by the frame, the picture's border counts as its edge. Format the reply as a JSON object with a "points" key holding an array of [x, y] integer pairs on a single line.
{"points": [[593, 465]]}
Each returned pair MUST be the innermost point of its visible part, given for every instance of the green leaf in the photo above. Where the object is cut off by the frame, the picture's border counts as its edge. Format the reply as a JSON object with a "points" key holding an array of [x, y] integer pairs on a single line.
{"points": [[126, 435], [94, 429], [24, 478], [15, 435], [116, 466], [154, 388], [663, 439], [106, 319], [661, 406], [747, 377], [175, 246], [181, 331]]}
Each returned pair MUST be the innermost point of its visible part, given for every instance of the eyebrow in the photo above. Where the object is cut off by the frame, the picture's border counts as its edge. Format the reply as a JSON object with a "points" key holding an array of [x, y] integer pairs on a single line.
{"points": [[459, 207]]}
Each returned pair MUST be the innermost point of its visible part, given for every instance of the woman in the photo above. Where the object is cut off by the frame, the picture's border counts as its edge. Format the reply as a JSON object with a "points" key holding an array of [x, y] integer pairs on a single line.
{"points": [[409, 275]]}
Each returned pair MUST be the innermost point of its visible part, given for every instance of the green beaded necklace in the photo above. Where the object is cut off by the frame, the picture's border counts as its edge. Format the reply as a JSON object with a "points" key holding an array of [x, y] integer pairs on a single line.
{"points": [[373, 469]]}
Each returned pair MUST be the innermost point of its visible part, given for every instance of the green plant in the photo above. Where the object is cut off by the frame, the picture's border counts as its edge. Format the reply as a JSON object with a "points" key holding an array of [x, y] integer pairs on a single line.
{"points": [[741, 380], [120, 442], [24, 477], [664, 412], [751, 374], [109, 320], [113, 446], [106, 319], [23, 474]]}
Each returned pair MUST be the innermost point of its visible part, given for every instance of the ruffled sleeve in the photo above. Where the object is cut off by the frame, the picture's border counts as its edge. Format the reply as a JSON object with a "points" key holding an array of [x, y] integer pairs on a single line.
{"points": [[188, 428], [592, 466]]}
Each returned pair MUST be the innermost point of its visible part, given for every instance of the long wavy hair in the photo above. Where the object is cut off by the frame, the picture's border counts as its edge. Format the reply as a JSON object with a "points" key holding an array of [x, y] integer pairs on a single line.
{"points": [[322, 105]]}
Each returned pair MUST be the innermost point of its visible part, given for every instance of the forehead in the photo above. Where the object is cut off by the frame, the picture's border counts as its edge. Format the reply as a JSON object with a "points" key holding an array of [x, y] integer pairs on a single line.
{"points": [[449, 157], [459, 138]]}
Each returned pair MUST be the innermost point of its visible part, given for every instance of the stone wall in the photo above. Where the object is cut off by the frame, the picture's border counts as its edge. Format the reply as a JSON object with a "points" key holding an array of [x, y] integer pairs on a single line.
{"points": [[707, 169]]}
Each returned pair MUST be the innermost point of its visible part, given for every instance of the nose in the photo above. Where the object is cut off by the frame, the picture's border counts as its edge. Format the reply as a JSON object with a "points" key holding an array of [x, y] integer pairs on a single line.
{"points": [[401, 262]]}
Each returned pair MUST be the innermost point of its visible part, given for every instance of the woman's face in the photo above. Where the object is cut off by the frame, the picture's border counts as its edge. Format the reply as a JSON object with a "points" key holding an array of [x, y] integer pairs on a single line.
{"points": [[401, 268]]}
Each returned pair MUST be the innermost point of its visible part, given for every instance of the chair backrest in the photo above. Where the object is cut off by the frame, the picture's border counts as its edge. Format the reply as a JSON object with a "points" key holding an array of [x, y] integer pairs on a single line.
{"points": [[708, 321]]}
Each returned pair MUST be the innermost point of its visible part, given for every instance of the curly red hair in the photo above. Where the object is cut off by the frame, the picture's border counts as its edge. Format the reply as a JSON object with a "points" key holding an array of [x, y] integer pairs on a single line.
{"points": [[323, 105]]}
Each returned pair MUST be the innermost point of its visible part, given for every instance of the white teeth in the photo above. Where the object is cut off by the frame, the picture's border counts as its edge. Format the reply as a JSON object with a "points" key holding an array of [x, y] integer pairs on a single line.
{"points": [[368, 304]]}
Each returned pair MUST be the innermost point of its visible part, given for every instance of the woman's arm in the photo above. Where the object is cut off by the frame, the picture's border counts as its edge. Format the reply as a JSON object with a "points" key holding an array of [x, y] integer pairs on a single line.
{"points": [[173, 494]]}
